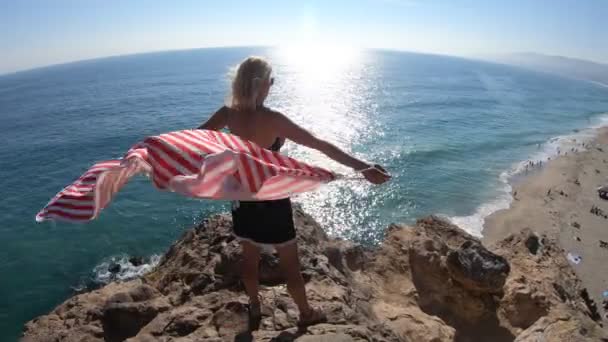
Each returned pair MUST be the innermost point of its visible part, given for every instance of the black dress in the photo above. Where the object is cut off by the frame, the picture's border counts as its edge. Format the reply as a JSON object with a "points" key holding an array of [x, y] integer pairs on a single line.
{"points": [[264, 222]]}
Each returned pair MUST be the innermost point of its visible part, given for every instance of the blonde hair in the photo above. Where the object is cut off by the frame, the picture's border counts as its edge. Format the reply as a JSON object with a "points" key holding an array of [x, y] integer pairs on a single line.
{"points": [[247, 84]]}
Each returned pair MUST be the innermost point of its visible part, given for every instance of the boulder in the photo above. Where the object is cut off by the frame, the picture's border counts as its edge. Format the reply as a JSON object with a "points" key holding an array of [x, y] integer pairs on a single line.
{"points": [[476, 268]]}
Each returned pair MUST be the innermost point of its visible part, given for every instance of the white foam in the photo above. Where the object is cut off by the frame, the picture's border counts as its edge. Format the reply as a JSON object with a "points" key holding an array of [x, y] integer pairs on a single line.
{"points": [[600, 84], [127, 270], [474, 223]]}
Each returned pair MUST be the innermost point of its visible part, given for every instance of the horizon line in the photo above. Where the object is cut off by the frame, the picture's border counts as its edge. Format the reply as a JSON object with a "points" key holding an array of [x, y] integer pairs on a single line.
{"points": [[477, 57], [127, 54]]}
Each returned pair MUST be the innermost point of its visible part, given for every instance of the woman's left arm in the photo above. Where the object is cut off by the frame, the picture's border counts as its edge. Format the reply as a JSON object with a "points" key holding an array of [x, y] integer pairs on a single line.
{"points": [[217, 121]]}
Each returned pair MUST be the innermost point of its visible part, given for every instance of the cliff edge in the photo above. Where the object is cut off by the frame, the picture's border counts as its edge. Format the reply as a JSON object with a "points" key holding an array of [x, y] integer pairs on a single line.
{"points": [[426, 282]]}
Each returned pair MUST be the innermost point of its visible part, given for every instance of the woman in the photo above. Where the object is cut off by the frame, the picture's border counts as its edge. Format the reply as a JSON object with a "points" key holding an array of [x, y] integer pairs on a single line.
{"points": [[270, 222]]}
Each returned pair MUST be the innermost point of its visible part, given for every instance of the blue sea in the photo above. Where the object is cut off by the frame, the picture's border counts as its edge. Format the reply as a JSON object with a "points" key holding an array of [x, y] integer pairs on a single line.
{"points": [[451, 131]]}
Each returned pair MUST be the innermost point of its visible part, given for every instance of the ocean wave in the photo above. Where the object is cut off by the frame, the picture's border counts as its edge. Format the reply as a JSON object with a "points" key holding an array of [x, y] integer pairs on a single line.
{"points": [[446, 102], [605, 85], [474, 223], [123, 267]]}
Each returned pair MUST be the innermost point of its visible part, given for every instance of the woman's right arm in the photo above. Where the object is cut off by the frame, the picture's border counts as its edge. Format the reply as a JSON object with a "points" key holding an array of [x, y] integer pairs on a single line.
{"points": [[299, 135]]}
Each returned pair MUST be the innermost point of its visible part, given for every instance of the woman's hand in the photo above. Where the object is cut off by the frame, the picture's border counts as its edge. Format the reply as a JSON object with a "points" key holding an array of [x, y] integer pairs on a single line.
{"points": [[376, 174]]}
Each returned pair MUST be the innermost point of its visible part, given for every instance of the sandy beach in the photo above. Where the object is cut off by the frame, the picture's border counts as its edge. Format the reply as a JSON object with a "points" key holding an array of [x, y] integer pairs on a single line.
{"points": [[561, 197]]}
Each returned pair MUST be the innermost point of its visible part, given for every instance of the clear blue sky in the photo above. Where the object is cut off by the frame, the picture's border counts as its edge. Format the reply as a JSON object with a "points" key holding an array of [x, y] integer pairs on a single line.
{"points": [[36, 33]]}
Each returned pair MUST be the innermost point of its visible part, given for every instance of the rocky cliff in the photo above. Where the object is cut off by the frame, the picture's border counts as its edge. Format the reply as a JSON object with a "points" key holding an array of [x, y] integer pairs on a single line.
{"points": [[427, 282]]}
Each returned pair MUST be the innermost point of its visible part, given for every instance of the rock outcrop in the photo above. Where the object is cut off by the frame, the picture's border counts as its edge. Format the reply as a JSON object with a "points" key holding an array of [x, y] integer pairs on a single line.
{"points": [[427, 282]]}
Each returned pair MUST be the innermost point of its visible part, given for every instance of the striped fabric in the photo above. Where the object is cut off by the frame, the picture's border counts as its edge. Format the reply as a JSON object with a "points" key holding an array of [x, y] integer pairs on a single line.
{"points": [[195, 163]]}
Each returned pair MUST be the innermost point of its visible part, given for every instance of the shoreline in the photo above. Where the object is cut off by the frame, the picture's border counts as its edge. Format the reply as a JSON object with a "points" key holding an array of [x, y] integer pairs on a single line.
{"points": [[561, 199], [550, 149]]}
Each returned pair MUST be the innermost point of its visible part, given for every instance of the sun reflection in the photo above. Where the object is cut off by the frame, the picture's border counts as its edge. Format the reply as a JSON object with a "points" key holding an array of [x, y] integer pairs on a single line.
{"points": [[320, 86], [317, 61], [328, 89]]}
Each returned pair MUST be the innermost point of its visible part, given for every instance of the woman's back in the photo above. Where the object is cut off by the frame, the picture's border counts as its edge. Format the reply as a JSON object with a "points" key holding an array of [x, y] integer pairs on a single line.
{"points": [[256, 126]]}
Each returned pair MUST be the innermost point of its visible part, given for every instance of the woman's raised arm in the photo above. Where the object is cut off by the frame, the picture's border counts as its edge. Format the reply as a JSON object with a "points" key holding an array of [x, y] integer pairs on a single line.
{"points": [[299, 135]]}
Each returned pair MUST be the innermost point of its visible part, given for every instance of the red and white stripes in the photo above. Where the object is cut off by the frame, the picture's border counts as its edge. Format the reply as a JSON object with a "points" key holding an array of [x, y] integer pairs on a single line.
{"points": [[195, 163]]}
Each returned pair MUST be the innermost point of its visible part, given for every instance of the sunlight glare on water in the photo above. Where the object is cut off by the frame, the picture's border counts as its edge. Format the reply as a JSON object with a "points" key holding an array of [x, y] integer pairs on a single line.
{"points": [[326, 90]]}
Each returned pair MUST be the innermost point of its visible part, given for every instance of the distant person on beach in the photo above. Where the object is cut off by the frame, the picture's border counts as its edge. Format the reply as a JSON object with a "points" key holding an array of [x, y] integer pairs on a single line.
{"points": [[270, 223]]}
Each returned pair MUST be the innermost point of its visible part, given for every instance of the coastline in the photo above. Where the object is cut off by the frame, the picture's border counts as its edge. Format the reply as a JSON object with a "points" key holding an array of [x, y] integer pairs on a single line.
{"points": [[475, 223], [559, 199]]}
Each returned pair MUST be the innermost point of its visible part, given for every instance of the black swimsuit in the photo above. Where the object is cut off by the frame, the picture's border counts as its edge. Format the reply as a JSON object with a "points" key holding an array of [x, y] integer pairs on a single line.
{"points": [[264, 222]]}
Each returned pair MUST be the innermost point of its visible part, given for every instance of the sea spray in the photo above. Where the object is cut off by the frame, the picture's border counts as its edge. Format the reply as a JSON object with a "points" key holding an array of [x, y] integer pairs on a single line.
{"points": [[122, 268]]}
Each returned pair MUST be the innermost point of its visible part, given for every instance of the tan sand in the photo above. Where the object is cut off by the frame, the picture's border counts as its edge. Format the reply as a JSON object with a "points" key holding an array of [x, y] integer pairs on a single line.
{"points": [[573, 181]]}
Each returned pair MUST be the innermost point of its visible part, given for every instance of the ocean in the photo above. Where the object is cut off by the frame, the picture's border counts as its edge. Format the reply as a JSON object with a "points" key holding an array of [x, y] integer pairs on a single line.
{"points": [[451, 131]]}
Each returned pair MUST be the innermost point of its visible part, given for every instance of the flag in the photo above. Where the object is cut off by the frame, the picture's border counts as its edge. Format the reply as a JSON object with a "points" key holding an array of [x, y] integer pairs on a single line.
{"points": [[194, 163]]}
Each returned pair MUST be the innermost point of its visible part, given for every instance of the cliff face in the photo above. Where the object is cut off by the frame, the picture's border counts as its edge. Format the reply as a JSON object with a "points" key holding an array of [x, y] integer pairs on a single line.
{"points": [[428, 282]]}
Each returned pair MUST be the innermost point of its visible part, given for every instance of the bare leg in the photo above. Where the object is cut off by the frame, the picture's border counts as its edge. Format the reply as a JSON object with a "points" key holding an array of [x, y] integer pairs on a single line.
{"points": [[290, 265], [251, 261]]}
